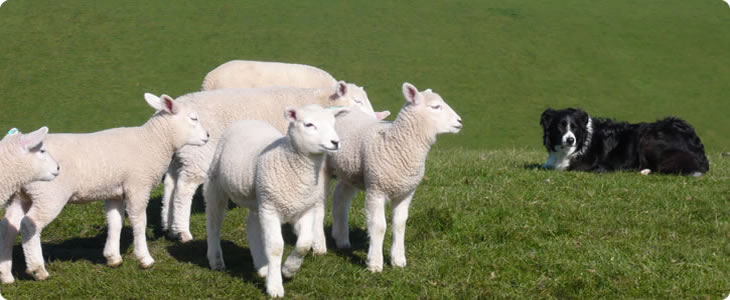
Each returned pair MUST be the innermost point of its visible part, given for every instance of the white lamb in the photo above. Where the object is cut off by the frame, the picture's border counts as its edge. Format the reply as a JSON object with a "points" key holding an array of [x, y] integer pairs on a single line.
{"points": [[388, 161], [279, 179], [120, 165], [24, 159], [257, 74], [218, 109]]}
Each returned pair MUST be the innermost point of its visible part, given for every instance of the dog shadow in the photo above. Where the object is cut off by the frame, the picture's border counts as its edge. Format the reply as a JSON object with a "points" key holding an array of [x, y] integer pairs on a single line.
{"points": [[534, 166]]}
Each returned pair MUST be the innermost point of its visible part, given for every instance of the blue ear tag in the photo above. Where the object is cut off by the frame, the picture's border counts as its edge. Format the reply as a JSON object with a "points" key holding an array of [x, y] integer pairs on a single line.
{"points": [[12, 131]]}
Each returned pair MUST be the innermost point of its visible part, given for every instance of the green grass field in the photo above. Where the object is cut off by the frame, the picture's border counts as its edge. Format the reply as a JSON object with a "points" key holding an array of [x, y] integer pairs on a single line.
{"points": [[483, 223]]}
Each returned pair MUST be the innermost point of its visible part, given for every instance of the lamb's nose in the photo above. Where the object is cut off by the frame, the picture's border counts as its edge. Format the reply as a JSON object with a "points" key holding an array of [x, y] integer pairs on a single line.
{"points": [[58, 168], [207, 134], [570, 140], [336, 144]]}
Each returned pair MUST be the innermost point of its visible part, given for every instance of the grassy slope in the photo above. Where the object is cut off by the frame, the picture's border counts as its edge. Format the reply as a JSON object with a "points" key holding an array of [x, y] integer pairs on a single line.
{"points": [[482, 224], [500, 63]]}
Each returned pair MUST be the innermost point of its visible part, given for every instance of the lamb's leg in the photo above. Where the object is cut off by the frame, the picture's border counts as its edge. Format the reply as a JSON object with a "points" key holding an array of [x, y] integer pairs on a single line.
{"points": [[274, 248], [303, 228], [215, 211], [182, 200], [340, 212], [114, 219], [400, 215], [319, 244], [375, 207], [169, 188], [255, 243], [9, 227], [41, 213], [136, 201]]}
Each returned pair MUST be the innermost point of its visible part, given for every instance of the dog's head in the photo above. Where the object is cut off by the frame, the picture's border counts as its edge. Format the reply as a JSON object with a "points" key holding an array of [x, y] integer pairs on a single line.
{"points": [[565, 131]]}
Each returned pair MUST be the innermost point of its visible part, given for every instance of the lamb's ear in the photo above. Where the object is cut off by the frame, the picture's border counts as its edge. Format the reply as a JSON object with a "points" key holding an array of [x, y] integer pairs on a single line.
{"points": [[33, 140], [340, 111], [381, 115], [411, 93], [169, 105], [290, 114], [341, 88], [154, 101], [547, 117]]}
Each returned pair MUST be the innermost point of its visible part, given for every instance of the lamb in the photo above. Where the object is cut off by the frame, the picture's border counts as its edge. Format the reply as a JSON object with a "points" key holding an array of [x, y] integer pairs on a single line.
{"points": [[387, 160], [120, 165], [220, 108], [279, 179], [24, 159], [257, 74]]}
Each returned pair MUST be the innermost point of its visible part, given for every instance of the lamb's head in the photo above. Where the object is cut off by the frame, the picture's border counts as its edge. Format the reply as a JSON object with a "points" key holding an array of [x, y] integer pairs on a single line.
{"points": [[183, 120], [351, 95], [312, 128], [430, 109], [29, 153]]}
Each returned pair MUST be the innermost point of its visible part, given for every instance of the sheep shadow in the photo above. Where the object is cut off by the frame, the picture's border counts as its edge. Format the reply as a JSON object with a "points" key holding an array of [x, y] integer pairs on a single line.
{"points": [[76, 249], [154, 209], [358, 243]]}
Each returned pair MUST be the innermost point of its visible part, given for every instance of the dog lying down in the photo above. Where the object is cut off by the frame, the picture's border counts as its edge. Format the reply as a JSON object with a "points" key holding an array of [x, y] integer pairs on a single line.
{"points": [[575, 141]]}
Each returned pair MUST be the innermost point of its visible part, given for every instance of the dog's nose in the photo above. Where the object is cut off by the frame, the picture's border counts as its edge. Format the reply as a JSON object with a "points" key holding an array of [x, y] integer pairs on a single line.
{"points": [[336, 144], [570, 140]]}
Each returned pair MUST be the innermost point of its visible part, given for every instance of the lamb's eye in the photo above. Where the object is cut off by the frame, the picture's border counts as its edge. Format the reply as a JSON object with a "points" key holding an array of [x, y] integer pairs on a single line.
{"points": [[358, 101], [308, 125], [194, 118], [43, 151], [436, 107]]}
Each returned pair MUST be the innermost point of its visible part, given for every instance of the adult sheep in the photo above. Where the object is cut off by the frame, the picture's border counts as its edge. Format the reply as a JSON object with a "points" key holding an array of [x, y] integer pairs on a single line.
{"points": [[279, 179], [387, 160], [119, 165], [218, 109], [257, 74]]}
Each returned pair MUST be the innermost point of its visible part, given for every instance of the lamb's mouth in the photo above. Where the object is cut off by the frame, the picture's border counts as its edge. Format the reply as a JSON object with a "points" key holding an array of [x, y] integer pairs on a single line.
{"points": [[333, 149]]}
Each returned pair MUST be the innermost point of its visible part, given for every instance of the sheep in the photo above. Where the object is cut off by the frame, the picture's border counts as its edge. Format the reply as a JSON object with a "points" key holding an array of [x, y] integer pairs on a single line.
{"points": [[120, 165], [279, 179], [218, 109], [257, 74], [24, 159], [387, 160]]}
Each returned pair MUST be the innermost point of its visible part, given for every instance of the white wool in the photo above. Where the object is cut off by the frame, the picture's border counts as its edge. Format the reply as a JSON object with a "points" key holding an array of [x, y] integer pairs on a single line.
{"points": [[120, 165], [388, 161], [24, 159], [279, 179], [256, 74], [218, 109]]}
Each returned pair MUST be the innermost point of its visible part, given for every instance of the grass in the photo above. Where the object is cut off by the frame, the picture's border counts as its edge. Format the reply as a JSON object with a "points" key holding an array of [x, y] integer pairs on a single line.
{"points": [[484, 224]]}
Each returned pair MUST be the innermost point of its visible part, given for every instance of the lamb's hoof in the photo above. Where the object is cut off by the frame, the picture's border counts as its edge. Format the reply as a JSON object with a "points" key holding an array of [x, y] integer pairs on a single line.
{"points": [[114, 261], [146, 262], [183, 237], [7, 278], [645, 172], [343, 245], [263, 271], [275, 292], [319, 249], [217, 265], [288, 273], [398, 261], [375, 268], [38, 273]]}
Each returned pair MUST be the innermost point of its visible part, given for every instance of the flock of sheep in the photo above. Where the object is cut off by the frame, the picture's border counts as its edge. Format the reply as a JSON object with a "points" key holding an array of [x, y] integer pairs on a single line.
{"points": [[268, 136]]}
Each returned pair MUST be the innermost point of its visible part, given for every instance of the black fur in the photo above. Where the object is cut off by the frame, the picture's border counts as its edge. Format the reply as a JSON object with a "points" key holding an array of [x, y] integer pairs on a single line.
{"points": [[665, 146]]}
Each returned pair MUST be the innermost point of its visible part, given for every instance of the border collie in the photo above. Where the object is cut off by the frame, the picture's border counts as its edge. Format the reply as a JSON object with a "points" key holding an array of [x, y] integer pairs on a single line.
{"points": [[577, 142]]}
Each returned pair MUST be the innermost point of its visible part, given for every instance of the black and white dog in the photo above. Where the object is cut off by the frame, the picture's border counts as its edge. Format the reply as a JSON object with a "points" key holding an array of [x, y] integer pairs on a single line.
{"points": [[575, 141]]}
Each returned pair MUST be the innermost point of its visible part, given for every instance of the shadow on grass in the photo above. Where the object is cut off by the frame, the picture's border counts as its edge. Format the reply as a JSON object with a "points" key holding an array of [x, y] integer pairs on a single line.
{"points": [[534, 166], [154, 209], [90, 249], [359, 242]]}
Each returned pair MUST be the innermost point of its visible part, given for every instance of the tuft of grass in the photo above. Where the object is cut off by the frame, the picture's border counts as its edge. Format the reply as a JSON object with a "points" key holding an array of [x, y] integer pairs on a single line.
{"points": [[483, 224]]}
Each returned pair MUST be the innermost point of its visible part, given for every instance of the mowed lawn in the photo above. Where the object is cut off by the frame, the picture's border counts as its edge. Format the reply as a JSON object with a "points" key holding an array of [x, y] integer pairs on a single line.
{"points": [[485, 222]]}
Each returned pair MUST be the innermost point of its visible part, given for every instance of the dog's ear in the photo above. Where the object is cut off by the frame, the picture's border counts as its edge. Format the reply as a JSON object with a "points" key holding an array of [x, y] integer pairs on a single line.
{"points": [[582, 116], [547, 117]]}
